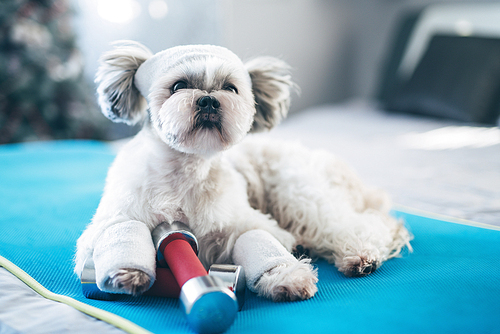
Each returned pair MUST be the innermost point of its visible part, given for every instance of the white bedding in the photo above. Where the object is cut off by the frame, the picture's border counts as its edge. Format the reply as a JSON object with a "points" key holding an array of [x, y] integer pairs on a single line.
{"points": [[440, 166], [458, 177]]}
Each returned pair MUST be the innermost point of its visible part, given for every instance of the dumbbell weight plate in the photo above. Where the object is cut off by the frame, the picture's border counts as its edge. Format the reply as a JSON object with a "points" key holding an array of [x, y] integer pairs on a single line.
{"points": [[89, 285], [177, 230], [234, 277], [210, 306]]}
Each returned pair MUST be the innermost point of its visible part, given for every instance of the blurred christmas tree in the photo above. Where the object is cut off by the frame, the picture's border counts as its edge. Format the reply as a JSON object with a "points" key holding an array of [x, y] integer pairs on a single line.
{"points": [[43, 94]]}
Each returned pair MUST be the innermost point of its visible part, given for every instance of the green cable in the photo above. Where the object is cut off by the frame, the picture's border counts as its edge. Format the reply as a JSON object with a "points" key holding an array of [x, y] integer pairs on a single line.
{"points": [[95, 312]]}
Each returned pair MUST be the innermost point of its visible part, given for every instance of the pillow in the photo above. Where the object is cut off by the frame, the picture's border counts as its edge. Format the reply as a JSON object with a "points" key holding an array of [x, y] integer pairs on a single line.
{"points": [[458, 77]]}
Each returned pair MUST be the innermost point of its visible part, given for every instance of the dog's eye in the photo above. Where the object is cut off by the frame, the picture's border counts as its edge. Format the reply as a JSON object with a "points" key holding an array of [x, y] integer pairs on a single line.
{"points": [[179, 85], [231, 88]]}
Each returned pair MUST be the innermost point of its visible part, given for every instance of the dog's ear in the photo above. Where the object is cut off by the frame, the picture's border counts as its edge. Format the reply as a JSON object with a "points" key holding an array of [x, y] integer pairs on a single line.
{"points": [[118, 97], [272, 87]]}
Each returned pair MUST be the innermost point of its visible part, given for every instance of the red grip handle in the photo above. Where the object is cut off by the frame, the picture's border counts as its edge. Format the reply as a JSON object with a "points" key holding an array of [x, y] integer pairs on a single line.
{"points": [[165, 285], [182, 261]]}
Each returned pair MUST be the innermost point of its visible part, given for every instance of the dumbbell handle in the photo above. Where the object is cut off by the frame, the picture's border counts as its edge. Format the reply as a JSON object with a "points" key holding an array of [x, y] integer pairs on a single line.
{"points": [[182, 260], [165, 285]]}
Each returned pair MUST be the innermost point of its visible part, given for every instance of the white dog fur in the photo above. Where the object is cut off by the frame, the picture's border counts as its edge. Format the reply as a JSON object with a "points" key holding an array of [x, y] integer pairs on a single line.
{"points": [[204, 166]]}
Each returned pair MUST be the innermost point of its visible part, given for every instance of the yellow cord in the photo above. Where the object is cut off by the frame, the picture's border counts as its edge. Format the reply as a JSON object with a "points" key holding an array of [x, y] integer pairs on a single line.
{"points": [[95, 312]]}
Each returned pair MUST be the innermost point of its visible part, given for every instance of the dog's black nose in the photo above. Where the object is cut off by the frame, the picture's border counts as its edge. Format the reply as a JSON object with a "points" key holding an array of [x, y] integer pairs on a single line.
{"points": [[208, 102], [208, 112]]}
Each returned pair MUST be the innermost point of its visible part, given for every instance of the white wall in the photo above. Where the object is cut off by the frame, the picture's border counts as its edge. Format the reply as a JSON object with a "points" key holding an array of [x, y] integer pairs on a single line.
{"points": [[186, 22], [309, 34], [335, 47]]}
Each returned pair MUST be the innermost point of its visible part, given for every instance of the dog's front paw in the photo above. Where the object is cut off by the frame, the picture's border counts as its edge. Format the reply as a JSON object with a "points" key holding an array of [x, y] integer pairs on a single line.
{"points": [[357, 266], [130, 281], [289, 282]]}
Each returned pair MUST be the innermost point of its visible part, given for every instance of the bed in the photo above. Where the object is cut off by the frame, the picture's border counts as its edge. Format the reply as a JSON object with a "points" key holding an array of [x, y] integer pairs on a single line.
{"points": [[390, 151], [436, 165]]}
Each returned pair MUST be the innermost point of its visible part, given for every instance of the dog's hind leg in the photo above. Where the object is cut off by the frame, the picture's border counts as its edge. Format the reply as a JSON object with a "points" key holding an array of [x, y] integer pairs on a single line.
{"points": [[330, 212], [318, 199], [325, 224], [362, 243]]}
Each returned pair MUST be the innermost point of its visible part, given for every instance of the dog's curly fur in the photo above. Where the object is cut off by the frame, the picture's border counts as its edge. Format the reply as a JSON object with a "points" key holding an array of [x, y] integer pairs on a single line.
{"points": [[223, 180]]}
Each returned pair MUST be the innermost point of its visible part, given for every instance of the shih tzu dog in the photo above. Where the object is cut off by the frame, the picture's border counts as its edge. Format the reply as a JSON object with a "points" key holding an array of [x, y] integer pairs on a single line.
{"points": [[198, 161]]}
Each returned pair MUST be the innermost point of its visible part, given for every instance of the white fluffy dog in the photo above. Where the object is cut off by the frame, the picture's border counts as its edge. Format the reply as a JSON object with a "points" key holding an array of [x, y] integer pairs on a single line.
{"points": [[197, 161]]}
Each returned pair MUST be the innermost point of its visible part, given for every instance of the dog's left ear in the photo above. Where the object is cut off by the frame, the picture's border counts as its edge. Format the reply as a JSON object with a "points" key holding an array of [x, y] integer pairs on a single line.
{"points": [[272, 86]]}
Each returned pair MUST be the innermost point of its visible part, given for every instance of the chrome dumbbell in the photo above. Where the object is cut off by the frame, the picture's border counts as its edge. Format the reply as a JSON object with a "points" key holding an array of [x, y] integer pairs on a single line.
{"points": [[209, 304], [165, 284], [209, 300]]}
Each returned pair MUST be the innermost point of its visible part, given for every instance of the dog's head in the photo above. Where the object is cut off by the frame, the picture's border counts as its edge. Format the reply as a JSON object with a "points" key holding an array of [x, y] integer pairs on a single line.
{"points": [[201, 98]]}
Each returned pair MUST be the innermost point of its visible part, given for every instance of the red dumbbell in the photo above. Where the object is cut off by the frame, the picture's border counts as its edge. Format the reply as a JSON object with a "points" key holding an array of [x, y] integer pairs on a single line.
{"points": [[210, 306], [165, 284], [208, 300]]}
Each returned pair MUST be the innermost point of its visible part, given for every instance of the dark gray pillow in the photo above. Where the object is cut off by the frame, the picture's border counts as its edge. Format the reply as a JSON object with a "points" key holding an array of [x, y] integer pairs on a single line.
{"points": [[458, 77]]}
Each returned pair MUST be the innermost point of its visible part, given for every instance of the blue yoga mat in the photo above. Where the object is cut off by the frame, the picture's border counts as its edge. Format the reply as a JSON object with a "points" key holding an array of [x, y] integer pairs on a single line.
{"points": [[449, 284]]}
